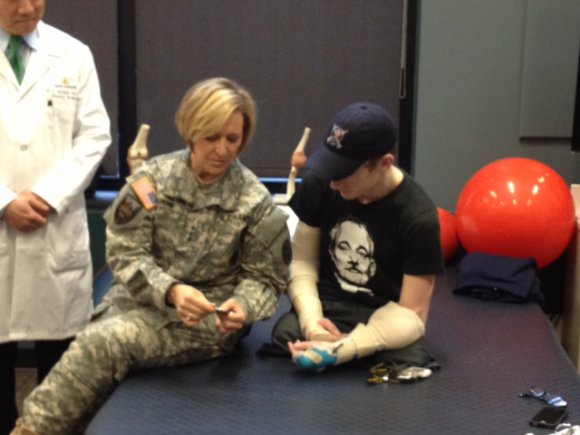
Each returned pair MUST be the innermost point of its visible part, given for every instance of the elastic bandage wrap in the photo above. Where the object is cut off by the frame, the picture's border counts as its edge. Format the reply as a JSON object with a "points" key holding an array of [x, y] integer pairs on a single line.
{"points": [[390, 327], [303, 289]]}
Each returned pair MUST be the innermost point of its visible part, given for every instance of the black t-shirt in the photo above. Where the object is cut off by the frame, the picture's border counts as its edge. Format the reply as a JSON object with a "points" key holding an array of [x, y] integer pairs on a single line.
{"points": [[366, 248]]}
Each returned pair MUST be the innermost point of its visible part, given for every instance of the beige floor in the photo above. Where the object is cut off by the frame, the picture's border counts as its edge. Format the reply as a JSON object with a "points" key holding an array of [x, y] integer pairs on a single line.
{"points": [[25, 382]]}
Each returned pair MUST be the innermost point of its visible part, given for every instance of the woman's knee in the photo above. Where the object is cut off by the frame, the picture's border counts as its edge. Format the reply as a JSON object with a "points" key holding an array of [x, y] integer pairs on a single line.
{"points": [[108, 348]]}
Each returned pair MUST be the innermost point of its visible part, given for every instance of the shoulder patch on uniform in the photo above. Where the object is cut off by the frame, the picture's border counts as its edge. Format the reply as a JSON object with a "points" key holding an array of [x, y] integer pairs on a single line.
{"points": [[145, 191], [287, 251], [126, 210]]}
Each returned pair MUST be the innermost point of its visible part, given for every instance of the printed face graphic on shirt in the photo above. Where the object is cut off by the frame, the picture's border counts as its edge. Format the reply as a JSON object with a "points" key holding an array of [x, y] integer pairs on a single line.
{"points": [[352, 252]]}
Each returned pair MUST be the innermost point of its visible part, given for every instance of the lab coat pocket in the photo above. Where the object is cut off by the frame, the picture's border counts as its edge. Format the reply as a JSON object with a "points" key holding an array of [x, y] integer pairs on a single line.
{"points": [[69, 241], [64, 110], [61, 108], [70, 261]]}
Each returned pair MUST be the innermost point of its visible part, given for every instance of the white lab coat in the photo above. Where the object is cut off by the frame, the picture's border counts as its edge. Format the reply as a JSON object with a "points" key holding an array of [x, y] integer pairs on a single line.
{"points": [[54, 132]]}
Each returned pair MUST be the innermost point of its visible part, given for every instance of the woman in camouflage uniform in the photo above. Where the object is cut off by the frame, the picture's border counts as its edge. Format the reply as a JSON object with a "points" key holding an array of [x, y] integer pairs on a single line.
{"points": [[199, 252]]}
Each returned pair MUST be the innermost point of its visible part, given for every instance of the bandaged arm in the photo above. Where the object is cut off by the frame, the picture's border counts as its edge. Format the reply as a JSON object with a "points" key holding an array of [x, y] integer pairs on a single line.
{"points": [[393, 326], [302, 289]]}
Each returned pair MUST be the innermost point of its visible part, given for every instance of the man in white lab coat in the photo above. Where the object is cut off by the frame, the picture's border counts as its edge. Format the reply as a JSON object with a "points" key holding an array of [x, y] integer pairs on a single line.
{"points": [[54, 132]]}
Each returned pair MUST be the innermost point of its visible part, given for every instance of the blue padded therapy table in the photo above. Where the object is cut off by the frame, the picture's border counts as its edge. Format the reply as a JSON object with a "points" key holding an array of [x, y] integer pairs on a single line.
{"points": [[489, 352]]}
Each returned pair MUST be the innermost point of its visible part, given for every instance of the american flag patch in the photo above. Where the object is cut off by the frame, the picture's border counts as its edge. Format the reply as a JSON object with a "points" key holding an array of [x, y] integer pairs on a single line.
{"points": [[145, 192]]}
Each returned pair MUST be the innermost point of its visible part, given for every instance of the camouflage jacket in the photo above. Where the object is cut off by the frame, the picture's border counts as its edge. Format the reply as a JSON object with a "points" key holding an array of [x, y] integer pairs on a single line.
{"points": [[227, 239]]}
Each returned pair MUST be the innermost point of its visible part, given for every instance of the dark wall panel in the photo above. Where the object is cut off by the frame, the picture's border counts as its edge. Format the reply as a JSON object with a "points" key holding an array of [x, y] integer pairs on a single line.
{"points": [[94, 23], [301, 59]]}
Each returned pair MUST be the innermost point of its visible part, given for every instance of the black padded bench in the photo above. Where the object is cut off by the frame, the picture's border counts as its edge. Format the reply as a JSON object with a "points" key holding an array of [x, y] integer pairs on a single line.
{"points": [[489, 353]]}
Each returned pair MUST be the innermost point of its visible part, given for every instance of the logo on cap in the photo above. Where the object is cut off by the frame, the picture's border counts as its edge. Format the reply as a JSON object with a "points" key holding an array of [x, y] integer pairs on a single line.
{"points": [[337, 134]]}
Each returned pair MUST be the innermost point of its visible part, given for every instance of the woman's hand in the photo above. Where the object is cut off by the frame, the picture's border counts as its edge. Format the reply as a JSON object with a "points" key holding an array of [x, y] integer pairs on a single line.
{"points": [[230, 316], [191, 304]]}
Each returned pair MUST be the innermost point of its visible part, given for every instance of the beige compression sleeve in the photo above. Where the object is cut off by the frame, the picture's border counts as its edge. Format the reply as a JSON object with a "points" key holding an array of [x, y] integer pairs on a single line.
{"points": [[302, 289], [390, 327]]}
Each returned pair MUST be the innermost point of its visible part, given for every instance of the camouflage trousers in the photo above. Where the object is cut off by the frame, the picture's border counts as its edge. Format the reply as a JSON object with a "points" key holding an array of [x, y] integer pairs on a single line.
{"points": [[120, 339]]}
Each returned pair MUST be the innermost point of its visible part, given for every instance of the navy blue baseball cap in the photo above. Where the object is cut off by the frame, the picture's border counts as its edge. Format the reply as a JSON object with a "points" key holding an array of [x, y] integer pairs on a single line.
{"points": [[358, 132]]}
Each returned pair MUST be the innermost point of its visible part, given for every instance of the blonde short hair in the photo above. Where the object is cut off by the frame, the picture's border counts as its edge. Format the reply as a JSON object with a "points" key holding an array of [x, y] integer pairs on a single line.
{"points": [[207, 105]]}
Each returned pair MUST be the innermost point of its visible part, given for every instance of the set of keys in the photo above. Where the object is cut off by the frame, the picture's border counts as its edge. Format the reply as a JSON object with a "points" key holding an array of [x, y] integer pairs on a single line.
{"points": [[382, 373]]}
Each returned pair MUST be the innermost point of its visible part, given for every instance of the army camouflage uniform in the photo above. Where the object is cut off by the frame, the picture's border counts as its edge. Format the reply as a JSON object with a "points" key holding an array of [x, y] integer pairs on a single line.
{"points": [[227, 239]]}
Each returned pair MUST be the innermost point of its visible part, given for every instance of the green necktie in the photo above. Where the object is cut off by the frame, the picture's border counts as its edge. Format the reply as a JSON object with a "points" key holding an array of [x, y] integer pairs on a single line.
{"points": [[14, 57]]}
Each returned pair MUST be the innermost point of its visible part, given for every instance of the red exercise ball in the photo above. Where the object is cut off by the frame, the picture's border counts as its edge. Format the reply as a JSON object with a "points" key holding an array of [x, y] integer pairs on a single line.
{"points": [[516, 207], [449, 240]]}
